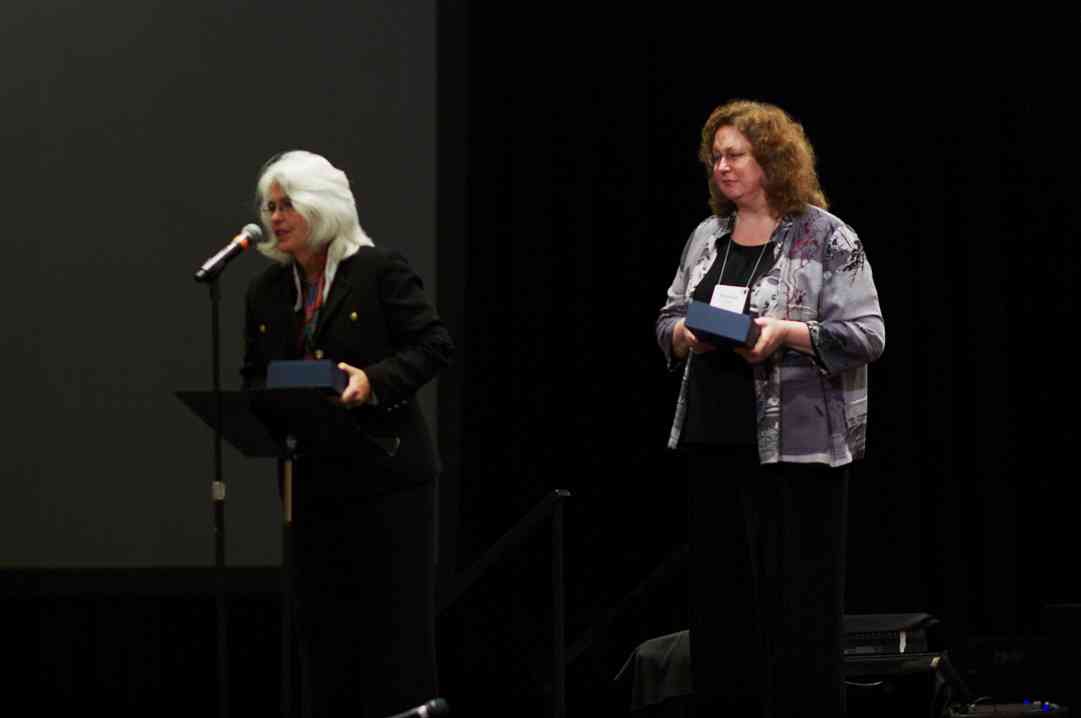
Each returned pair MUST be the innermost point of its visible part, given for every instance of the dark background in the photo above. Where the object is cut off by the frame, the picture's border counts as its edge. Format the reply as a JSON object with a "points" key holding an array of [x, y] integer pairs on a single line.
{"points": [[138, 129], [563, 181]]}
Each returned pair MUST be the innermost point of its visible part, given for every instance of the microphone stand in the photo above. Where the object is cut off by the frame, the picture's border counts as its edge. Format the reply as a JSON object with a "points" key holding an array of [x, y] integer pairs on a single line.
{"points": [[209, 274], [217, 492]]}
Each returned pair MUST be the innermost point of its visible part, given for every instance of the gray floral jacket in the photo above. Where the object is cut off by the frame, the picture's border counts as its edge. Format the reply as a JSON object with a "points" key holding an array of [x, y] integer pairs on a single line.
{"points": [[810, 409]]}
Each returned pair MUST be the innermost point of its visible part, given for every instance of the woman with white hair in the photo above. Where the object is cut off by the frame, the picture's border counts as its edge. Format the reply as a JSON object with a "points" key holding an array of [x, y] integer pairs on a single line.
{"points": [[363, 519]]}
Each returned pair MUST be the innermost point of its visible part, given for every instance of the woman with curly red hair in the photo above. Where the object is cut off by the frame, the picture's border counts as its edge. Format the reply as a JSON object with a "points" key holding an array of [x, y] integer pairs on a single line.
{"points": [[770, 430]]}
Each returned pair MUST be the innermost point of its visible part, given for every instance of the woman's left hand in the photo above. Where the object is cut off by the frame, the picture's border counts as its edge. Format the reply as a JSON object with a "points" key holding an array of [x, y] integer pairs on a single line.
{"points": [[359, 391], [773, 333]]}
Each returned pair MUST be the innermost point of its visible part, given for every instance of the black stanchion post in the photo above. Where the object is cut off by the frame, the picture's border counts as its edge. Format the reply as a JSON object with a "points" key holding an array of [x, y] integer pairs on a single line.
{"points": [[559, 658]]}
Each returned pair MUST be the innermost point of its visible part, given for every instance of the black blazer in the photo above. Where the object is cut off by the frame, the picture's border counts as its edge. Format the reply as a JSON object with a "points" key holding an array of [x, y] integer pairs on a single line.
{"points": [[376, 318]]}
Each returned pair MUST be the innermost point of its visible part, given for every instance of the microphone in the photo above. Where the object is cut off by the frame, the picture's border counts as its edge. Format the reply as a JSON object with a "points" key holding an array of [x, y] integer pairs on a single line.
{"points": [[952, 678], [436, 708], [212, 267]]}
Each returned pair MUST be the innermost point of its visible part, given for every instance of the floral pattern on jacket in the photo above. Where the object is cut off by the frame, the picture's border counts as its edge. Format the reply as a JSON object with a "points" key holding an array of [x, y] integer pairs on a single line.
{"points": [[809, 409]]}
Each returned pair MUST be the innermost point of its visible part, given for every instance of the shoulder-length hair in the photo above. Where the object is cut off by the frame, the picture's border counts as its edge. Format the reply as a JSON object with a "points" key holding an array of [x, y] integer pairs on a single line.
{"points": [[319, 192], [780, 147]]}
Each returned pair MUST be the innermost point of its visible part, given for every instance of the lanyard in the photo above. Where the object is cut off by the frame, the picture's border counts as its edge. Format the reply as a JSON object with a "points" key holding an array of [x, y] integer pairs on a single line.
{"points": [[727, 249]]}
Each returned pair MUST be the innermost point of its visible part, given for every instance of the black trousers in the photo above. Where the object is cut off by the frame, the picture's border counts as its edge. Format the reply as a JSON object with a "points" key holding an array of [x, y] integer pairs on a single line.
{"points": [[364, 586], [767, 586]]}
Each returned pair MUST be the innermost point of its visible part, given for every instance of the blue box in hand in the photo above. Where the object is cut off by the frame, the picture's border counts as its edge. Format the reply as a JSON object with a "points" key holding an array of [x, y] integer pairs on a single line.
{"points": [[306, 374], [721, 327]]}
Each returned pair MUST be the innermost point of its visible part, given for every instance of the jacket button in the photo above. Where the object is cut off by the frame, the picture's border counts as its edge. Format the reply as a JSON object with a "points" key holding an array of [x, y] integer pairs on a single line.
{"points": [[318, 353], [353, 316], [262, 328]]}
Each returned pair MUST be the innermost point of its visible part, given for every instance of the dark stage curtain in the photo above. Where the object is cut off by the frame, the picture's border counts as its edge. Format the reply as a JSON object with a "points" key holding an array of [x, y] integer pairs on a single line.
{"points": [[579, 169]]}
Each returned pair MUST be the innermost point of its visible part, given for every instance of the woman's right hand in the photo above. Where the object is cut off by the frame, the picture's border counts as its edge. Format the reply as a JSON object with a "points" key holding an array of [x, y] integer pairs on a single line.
{"points": [[684, 341]]}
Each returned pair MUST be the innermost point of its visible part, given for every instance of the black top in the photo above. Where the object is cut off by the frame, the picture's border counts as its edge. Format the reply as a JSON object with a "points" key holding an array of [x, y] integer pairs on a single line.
{"points": [[376, 318], [720, 391]]}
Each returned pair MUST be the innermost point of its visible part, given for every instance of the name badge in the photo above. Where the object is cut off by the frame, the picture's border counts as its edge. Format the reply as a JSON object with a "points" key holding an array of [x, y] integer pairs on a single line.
{"points": [[725, 296]]}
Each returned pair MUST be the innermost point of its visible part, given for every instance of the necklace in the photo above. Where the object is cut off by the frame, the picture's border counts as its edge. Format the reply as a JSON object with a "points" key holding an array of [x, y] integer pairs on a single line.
{"points": [[774, 223]]}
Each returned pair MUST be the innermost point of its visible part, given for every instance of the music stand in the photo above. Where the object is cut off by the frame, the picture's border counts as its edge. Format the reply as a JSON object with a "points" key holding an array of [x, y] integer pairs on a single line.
{"points": [[271, 423]]}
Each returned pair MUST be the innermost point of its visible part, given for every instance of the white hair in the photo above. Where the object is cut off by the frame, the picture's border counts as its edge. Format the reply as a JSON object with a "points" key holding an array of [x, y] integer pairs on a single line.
{"points": [[320, 193]]}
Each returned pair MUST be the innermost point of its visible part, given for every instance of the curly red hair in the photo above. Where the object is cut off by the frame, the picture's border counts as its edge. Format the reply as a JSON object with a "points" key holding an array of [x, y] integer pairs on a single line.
{"points": [[780, 147]]}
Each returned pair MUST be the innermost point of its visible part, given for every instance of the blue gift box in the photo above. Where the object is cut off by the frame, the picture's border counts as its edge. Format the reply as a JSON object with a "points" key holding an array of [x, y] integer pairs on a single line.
{"points": [[721, 327], [306, 374]]}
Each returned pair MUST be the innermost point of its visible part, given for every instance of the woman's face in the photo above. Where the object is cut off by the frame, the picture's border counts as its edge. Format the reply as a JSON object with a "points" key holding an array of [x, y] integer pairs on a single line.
{"points": [[735, 170], [289, 226]]}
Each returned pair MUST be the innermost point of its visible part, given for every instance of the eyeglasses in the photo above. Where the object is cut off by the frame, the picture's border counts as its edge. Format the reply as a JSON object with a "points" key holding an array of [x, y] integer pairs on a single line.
{"points": [[285, 205], [730, 156]]}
